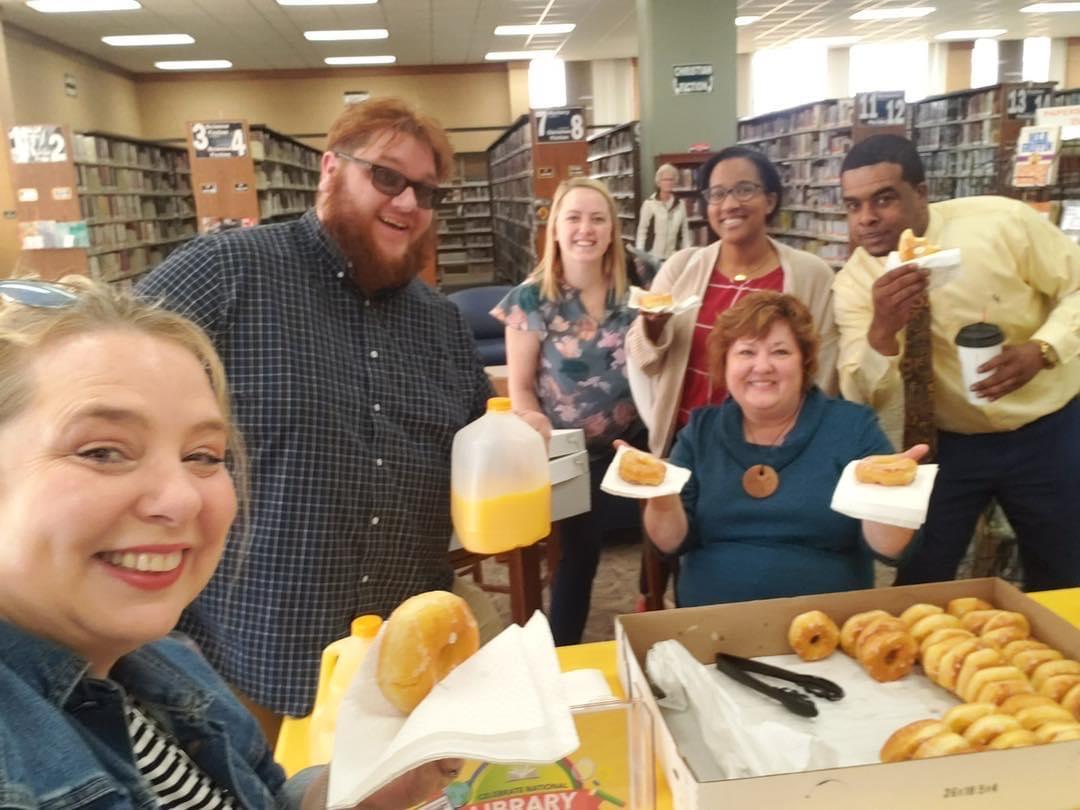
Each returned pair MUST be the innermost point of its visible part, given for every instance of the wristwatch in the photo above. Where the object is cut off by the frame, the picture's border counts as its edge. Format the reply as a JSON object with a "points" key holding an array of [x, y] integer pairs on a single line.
{"points": [[1049, 356]]}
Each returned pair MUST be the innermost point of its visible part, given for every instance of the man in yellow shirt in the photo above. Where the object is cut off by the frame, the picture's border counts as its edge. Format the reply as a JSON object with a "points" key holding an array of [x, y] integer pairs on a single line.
{"points": [[1021, 444]]}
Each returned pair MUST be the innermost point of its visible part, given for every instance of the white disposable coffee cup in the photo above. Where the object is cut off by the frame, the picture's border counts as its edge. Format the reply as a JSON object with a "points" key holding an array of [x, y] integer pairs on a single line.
{"points": [[976, 343]]}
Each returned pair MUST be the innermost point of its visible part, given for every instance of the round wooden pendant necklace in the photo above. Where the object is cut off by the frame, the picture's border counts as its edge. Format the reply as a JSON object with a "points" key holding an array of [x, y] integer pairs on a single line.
{"points": [[762, 480]]}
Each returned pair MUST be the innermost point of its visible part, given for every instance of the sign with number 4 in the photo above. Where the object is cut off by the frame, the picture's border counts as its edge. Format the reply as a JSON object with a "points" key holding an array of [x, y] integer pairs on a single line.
{"points": [[218, 139]]}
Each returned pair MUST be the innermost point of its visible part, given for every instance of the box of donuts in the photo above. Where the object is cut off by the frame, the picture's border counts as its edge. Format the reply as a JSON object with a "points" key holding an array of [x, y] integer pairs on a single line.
{"points": [[950, 694]]}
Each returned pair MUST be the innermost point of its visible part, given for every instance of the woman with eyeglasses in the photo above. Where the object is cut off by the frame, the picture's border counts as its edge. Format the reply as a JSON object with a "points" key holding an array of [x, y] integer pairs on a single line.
{"points": [[668, 356], [565, 327], [117, 462]]}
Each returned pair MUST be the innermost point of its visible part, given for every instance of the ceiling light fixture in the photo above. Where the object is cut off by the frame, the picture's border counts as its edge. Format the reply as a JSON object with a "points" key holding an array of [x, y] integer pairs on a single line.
{"points": [[1050, 8], [533, 30], [747, 20], [361, 60], [831, 42], [194, 64], [972, 33], [327, 2], [510, 56], [77, 6], [135, 40], [342, 35], [905, 13]]}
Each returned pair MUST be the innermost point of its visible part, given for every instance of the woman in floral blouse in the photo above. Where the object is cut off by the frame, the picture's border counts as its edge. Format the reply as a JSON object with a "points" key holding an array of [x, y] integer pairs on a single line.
{"points": [[565, 327]]}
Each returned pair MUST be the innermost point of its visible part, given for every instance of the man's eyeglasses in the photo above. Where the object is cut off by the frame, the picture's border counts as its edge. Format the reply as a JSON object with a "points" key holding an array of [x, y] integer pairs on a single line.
{"points": [[743, 191], [391, 182], [34, 293]]}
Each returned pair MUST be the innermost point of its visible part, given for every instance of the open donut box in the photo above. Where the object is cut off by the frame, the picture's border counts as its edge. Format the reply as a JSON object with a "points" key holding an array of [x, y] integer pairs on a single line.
{"points": [[1041, 776]]}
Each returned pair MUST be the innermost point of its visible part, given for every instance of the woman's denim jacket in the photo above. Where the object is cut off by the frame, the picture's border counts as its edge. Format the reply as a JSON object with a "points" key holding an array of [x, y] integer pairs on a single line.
{"points": [[63, 735]]}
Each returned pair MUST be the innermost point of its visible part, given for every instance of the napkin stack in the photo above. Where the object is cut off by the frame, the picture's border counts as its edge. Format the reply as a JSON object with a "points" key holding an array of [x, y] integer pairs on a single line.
{"points": [[897, 506]]}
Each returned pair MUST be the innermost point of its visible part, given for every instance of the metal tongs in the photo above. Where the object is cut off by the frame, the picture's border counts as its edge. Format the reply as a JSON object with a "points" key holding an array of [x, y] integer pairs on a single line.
{"points": [[739, 669]]}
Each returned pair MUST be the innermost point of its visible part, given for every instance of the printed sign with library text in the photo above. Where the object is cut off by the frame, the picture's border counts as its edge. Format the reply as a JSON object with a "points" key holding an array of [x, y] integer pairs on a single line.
{"points": [[218, 139], [881, 109], [688, 79], [38, 144], [560, 124], [1036, 157], [1068, 118]]}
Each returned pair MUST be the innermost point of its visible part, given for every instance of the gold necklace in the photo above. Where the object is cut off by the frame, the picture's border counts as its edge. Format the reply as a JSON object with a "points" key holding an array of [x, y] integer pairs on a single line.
{"points": [[762, 480], [752, 273]]}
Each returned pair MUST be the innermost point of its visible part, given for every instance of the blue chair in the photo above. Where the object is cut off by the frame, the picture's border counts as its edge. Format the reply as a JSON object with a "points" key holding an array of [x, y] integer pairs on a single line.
{"points": [[475, 303]]}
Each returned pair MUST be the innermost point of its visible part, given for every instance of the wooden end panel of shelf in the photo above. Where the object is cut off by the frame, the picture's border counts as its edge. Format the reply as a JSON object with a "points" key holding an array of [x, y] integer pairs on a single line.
{"points": [[223, 187], [51, 265], [51, 181], [553, 163]]}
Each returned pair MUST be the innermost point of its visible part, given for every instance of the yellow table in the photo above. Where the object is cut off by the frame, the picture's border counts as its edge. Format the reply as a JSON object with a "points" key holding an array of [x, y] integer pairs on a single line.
{"points": [[1065, 603]]}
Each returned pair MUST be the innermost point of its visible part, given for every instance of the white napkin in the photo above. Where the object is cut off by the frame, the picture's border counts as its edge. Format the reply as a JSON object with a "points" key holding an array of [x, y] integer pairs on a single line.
{"points": [[689, 302], [896, 506], [505, 704], [613, 484], [943, 266]]}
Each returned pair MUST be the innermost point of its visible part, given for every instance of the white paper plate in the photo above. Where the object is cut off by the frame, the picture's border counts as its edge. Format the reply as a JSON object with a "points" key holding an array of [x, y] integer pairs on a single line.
{"points": [[613, 484], [943, 266], [896, 506], [679, 306]]}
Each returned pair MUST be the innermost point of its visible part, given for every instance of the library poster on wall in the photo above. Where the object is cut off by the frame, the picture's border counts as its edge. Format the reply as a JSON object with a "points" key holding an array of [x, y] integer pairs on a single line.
{"points": [[218, 139], [43, 143], [560, 124], [1036, 157], [687, 79]]}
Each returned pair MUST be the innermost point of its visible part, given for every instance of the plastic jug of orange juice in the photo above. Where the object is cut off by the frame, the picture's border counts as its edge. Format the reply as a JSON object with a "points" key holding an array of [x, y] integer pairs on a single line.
{"points": [[340, 662], [500, 489]]}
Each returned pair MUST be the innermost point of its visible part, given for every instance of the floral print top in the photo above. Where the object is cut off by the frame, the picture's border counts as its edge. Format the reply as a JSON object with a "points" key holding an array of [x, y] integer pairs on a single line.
{"points": [[581, 381]]}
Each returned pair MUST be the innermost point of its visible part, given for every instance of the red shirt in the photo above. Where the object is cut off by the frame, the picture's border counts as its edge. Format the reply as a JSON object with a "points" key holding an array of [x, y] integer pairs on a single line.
{"points": [[720, 295]]}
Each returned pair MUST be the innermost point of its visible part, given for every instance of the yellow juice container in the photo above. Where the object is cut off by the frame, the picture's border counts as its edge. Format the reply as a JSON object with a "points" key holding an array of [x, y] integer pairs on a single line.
{"points": [[500, 489]]}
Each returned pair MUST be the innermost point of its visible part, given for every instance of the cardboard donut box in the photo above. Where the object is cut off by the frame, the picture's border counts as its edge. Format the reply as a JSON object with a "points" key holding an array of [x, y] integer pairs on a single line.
{"points": [[1040, 777]]}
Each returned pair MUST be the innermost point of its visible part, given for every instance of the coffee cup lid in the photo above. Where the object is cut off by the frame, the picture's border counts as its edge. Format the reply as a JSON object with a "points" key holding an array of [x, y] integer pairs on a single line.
{"points": [[979, 335]]}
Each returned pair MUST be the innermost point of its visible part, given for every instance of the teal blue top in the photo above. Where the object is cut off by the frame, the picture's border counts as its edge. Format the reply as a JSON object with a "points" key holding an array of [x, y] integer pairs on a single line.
{"points": [[789, 544]]}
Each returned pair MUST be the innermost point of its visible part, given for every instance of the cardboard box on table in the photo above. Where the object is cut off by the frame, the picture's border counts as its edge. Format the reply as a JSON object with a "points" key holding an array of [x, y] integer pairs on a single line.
{"points": [[1040, 776]]}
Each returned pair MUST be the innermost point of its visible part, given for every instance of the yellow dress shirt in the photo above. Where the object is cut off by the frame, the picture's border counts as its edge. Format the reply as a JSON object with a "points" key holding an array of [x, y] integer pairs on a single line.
{"points": [[1019, 271]]}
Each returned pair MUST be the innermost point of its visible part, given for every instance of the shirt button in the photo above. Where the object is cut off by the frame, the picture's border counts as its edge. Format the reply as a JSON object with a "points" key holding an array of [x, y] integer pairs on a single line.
{"points": [[341, 274], [375, 521], [367, 303], [364, 578], [376, 407], [378, 462], [373, 354]]}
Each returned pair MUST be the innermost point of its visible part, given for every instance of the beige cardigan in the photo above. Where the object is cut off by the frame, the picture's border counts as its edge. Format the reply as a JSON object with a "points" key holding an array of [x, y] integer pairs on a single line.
{"points": [[660, 367]]}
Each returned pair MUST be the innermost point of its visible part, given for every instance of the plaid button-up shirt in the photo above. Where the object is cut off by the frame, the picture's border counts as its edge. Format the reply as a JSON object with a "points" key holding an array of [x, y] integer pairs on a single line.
{"points": [[348, 406]]}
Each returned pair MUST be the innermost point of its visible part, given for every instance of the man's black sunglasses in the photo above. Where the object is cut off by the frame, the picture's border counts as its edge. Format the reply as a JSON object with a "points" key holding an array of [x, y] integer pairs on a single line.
{"points": [[391, 182], [35, 293]]}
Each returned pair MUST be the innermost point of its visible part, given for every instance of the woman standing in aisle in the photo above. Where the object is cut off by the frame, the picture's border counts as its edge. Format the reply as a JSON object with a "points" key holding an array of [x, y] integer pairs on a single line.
{"points": [[742, 191], [565, 327], [663, 225]]}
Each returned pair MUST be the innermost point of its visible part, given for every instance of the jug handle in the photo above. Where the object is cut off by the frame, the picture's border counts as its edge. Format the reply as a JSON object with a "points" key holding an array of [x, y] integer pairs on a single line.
{"points": [[330, 657]]}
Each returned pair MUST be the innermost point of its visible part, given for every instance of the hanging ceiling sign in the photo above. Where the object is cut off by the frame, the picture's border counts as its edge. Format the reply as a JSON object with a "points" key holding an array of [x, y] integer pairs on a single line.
{"points": [[688, 79], [559, 124], [218, 139], [881, 109]]}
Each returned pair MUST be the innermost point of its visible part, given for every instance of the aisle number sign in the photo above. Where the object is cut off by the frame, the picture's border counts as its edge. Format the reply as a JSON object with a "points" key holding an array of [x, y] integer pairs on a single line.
{"points": [[1022, 101], [218, 139], [881, 109], [692, 79], [38, 144], [560, 124]]}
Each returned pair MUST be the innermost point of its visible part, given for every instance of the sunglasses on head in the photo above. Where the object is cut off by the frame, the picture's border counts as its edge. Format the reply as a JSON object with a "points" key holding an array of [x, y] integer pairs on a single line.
{"points": [[35, 293], [391, 182]]}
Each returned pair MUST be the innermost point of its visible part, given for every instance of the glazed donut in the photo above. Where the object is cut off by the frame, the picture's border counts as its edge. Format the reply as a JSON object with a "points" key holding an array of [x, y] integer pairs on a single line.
{"points": [[999, 691], [1008, 618], [813, 635], [849, 632], [1014, 647], [966, 604], [636, 467], [943, 745], [1047, 731], [958, 718], [1015, 738], [1027, 660], [919, 611], [986, 728], [1071, 701], [929, 624], [425, 638], [889, 655], [1060, 666], [903, 742], [656, 300], [979, 662], [1001, 636], [1025, 701], [884, 624], [949, 668], [913, 247], [896, 470], [1057, 686], [1034, 716], [943, 635], [931, 660], [975, 619]]}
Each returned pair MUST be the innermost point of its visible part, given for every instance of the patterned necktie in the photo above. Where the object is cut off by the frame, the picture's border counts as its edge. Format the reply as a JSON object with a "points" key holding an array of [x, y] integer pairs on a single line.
{"points": [[917, 370]]}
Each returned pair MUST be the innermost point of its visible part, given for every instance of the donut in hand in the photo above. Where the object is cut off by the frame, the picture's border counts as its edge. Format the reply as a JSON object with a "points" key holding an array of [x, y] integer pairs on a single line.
{"points": [[896, 470], [425, 638]]}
